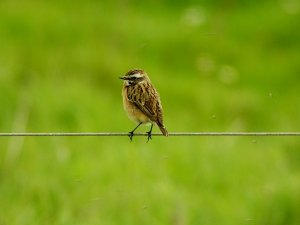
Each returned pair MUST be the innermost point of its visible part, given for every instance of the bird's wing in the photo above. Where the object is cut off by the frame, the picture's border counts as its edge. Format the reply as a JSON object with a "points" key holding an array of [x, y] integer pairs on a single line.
{"points": [[147, 100]]}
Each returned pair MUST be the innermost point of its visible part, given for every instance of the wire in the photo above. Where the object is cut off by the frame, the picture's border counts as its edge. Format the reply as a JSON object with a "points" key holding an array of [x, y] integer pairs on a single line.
{"points": [[66, 134]]}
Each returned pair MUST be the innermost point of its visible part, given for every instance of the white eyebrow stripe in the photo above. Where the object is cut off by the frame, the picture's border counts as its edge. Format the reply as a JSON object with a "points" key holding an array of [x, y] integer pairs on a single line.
{"points": [[137, 75]]}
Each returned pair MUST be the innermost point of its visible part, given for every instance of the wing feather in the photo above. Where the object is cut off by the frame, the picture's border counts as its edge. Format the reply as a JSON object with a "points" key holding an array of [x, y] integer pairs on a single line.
{"points": [[146, 99]]}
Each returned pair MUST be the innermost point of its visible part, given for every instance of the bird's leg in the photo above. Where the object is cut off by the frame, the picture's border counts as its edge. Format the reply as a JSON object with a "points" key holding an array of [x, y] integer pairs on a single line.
{"points": [[150, 133], [131, 132]]}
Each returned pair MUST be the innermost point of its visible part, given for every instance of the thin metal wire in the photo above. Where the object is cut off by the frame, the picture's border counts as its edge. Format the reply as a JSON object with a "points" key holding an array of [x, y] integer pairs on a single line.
{"points": [[153, 134]]}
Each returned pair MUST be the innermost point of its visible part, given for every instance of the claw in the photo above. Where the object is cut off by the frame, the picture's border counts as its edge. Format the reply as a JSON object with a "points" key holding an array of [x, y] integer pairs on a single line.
{"points": [[149, 135], [130, 135]]}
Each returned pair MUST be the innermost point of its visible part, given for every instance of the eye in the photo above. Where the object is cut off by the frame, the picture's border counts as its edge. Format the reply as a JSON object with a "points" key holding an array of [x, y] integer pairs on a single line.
{"points": [[133, 78]]}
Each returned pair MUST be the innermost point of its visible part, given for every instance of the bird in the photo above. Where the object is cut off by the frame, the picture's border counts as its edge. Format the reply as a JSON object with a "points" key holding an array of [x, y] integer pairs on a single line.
{"points": [[141, 101]]}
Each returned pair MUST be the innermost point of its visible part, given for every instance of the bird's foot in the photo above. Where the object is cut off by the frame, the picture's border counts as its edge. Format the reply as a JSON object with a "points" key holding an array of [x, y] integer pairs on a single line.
{"points": [[130, 135], [149, 135]]}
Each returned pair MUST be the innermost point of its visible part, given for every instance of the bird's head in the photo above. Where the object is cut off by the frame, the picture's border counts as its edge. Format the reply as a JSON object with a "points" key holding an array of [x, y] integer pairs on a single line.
{"points": [[134, 76]]}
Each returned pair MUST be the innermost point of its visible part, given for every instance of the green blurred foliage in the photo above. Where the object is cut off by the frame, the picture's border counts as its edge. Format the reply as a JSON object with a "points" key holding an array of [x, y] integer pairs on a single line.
{"points": [[218, 65]]}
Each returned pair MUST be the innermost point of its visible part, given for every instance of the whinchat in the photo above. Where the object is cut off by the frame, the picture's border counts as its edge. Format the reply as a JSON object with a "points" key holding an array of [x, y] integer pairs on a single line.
{"points": [[141, 101]]}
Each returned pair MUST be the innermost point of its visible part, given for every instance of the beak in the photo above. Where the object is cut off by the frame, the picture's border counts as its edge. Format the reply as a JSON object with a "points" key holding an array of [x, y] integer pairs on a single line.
{"points": [[122, 78]]}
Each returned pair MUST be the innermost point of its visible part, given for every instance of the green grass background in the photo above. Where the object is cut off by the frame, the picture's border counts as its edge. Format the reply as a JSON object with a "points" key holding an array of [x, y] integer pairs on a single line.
{"points": [[218, 65]]}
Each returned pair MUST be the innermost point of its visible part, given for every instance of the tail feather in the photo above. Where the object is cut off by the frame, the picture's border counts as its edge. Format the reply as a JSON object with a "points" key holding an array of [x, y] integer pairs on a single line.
{"points": [[163, 129]]}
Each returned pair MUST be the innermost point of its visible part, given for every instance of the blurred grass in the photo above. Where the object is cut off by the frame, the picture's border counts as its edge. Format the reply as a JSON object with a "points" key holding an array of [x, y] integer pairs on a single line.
{"points": [[219, 66]]}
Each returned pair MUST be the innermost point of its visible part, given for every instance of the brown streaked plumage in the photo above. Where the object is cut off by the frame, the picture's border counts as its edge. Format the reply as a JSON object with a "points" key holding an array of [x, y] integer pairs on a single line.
{"points": [[141, 101]]}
